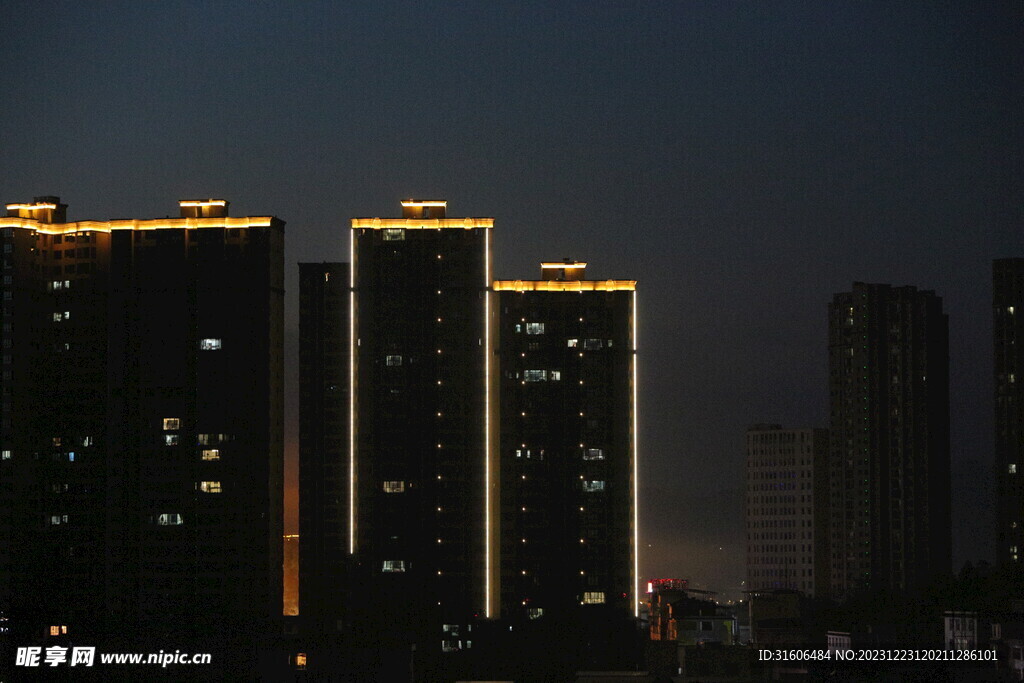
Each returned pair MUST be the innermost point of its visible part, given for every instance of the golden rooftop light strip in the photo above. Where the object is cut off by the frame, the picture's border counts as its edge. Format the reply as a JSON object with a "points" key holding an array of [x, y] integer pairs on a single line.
{"points": [[564, 285], [422, 223], [202, 202], [413, 202], [30, 207], [557, 264], [135, 224]]}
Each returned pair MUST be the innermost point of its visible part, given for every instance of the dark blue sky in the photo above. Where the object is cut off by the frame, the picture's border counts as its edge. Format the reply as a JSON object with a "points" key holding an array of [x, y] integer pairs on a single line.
{"points": [[742, 160]]}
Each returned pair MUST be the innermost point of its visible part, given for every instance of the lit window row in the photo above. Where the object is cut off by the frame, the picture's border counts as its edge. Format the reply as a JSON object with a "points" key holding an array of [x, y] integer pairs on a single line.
{"points": [[542, 375], [209, 486], [169, 519]]}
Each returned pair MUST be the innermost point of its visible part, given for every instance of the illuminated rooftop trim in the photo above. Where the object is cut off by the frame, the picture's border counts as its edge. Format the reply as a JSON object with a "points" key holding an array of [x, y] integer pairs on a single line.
{"points": [[425, 202], [30, 207], [202, 202], [564, 285], [563, 264], [136, 224], [421, 223]]}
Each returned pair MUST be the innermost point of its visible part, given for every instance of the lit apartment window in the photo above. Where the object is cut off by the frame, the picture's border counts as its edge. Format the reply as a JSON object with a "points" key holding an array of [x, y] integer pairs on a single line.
{"points": [[205, 440], [393, 234], [88, 441], [171, 439], [300, 660], [56, 441], [591, 486], [393, 566], [5, 455], [393, 361], [593, 598], [55, 630], [593, 454], [169, 519], [450, 646], [534, 328], [209, 344], [1012, 468], [211, 454], [593, 344], [172, 423], [209, 486], [394, 487], [535, 375], [451, 629], [556, 375], [58, 519], [572, 343], [534, 612]]}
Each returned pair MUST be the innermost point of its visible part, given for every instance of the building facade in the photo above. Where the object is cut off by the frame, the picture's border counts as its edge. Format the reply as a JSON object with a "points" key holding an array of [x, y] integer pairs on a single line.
{"points": [[1008, 333], [889, 439], [568, 444], [141, 431], [422, 471], [787, 509], [323, 443]]}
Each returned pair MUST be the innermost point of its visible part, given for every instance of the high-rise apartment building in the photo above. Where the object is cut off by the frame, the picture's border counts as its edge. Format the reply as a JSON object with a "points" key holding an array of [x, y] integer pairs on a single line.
{"points": [[889, 439], [1008, 332], [323, 443], [568, 444], [141, 431], [422, 468], [787, 509]]}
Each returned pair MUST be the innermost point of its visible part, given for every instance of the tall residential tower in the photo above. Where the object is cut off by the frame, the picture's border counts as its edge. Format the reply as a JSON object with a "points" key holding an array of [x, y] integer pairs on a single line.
{"points": [[889, 439], [568, 443], [422, 465], [142, 425]]}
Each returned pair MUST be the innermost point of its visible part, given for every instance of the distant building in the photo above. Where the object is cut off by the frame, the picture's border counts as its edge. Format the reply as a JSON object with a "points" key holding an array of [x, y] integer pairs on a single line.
{"points": [[787, 509], [324, 350], [141, 426], [568, 443], [1008, 333], [889, 452]]}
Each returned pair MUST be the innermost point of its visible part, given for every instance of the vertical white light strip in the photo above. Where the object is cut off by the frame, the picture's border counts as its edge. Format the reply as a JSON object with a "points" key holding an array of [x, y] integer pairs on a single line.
{"points": [[636, 479], [487, 423], [352, 392]]}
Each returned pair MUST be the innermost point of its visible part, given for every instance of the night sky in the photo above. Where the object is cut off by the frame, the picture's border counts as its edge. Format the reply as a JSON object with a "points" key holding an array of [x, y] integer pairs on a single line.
{"points": [[743, 161]]}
